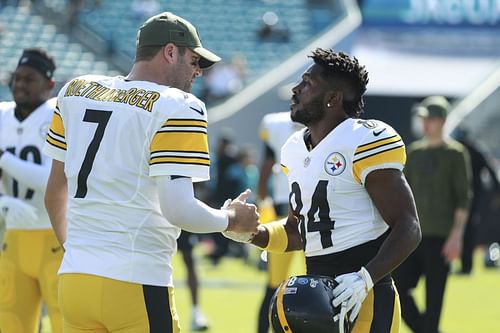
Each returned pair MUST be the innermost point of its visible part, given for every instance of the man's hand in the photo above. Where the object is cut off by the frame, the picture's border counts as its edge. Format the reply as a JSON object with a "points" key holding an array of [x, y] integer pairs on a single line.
{"points": [[352, 288], [240, 237], [452, 248], [13, 209], [243, 217]]}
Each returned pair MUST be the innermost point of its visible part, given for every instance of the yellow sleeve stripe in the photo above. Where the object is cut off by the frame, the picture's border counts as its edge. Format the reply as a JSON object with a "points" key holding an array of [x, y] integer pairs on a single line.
{"points": [[186, 141], [57, 126], [395, 155], [185, 123], [284, 169], [377, 144], [180, 160], [55, 142]]}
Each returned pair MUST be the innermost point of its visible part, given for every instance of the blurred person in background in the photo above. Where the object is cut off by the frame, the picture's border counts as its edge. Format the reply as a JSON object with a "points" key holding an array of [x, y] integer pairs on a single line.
{"points": [[271, 30], [185, 244], [31, 253], [230, 178], [272, 201], [483, 179], [490, 230], [438, 171], [126, 151], [224, 80], [248, 159]]}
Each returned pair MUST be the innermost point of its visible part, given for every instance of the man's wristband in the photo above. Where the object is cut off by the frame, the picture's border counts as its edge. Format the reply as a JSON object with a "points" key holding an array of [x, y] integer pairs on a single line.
{"points": [[278, 238]]}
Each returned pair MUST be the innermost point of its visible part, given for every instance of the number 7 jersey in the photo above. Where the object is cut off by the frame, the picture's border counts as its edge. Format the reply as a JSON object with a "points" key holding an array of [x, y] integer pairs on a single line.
{"points": [[328, 194], [114, 136]]}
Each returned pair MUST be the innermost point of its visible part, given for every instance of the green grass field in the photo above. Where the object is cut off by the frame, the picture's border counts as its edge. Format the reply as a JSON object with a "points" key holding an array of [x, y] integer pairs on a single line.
{"points": [[230, 295]]}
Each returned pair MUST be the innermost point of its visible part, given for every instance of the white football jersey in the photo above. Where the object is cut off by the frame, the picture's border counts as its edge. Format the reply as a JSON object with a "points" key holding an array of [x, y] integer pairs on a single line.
{"points": [[274, 130], [327, 183], [25, 139], [114, 137]]}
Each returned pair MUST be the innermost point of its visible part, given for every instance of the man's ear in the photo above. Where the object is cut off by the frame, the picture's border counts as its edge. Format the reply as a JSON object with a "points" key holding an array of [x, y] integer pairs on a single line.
{"points": [[51, 84], [334, 97], [169, 52]]}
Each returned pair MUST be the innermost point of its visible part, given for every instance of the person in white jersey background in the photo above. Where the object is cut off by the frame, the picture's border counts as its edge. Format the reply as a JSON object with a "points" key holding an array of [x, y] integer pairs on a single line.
{"points": [[351, 209], [126, 151], [272, 200], [31, 253]]}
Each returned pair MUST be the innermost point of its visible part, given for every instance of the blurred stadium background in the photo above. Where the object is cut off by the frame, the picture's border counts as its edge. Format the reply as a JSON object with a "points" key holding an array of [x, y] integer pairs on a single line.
{"points": [[411, 48]]}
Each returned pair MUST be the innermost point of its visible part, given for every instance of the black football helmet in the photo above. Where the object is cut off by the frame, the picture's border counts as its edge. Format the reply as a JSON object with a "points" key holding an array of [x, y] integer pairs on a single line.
{"points": [[303, 304]]}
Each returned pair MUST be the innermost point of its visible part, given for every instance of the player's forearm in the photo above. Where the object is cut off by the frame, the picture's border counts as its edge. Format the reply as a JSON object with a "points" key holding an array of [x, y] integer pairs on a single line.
{"points": [[56, 208], [402, 240], [261, 238], [56, 200], [460, 220], [181, 208], [32, 175]]}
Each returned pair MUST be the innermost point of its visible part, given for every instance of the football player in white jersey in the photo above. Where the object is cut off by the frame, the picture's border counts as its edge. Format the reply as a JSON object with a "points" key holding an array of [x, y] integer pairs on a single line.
{"points": [[351, 209], [275, 129], [126, 151], [31, 253]]}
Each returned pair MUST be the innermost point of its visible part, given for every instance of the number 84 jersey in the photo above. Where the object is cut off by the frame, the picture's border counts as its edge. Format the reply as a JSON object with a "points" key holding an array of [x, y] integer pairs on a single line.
{"points": [[327, 183]]}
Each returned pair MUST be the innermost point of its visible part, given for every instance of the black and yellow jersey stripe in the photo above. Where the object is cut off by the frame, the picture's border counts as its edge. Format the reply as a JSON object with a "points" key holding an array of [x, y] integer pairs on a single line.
{"points": [[55, 136], [181, 141], [386, 150]]}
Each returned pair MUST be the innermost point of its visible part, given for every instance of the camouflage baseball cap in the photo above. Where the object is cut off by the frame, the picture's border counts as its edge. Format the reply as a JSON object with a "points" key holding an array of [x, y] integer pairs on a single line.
{"points": [[167, 28], [433, 107]]}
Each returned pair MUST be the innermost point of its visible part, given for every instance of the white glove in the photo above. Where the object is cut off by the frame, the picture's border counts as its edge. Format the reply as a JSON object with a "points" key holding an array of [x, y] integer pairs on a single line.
{"points": [[341, 317], [240, 237], [13, 210], [353, 289]]}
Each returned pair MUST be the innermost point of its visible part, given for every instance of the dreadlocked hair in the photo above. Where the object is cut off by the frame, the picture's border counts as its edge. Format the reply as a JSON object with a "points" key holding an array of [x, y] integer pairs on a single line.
{"points": [[346, 72]]}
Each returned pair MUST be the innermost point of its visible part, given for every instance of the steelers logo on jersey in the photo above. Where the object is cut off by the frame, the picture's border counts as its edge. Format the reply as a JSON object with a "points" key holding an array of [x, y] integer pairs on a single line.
{"points": [[335, 164]]}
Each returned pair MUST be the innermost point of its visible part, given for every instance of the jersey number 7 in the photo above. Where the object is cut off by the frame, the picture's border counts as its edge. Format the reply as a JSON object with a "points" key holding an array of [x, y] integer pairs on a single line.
{"points": [[101, 118]]}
